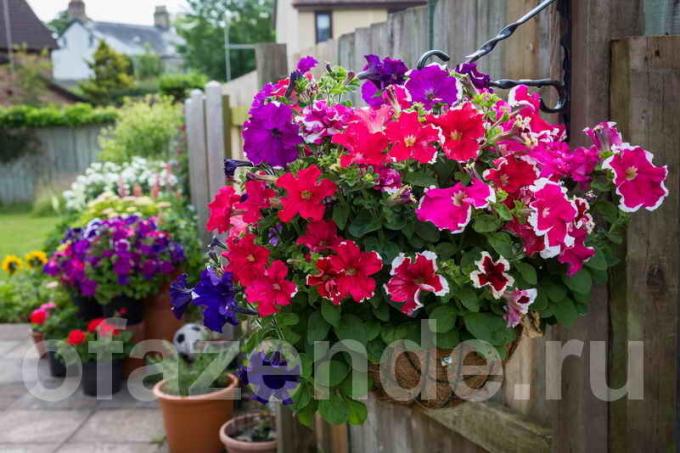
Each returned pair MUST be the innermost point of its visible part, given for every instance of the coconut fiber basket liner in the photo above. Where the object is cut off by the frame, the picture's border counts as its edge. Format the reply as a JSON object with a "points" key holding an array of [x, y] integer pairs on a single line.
{"points": [[436, 391]]}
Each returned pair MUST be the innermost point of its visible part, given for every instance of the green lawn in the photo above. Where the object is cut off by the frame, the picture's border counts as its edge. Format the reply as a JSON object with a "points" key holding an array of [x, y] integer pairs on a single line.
{"points": [[21, 232]]}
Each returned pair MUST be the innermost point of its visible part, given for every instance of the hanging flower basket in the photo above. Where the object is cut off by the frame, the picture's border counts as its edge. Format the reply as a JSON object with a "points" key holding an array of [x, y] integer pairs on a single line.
{"points": [[440, 201]]}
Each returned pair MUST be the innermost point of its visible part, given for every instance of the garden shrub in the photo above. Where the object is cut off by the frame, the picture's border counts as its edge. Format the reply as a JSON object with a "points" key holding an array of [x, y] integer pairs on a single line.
{"points": [[179, 85], [26, 116]]}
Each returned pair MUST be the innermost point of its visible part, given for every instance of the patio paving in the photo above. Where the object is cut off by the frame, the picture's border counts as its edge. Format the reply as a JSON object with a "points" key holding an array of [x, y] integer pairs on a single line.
{"points": [[75, 424]]}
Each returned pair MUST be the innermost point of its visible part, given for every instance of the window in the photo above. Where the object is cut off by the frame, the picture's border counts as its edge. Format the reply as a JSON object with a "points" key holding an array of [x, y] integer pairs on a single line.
{"points": [[324, 25]]}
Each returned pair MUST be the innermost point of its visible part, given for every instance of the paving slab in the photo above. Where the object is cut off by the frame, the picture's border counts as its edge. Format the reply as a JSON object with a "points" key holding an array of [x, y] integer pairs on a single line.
{"points": [[25, 349], [122, 425], [28, 448], [7, 345], [15, 331], [76, 400], [123, 400], [40, 426], [137, 447]]}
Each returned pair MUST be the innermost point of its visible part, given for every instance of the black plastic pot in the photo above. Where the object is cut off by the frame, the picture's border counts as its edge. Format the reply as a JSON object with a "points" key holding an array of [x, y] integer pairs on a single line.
{"points": [[132, 309], [88, 308], [94, 383], [57, 367]]}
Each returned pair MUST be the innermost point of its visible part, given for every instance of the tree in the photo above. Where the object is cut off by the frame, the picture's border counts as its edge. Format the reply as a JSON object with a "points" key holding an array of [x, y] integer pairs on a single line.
{"points": [[203, 31], [112, 71], [60, 23], [148, 65]]}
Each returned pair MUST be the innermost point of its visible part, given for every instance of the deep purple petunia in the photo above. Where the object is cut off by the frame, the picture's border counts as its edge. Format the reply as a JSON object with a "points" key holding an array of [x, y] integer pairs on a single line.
{"points": [[217, 297], [379, 74], [479, 79], [433, 85], [269, 377], [180, 295], [306, 64], [270, 136]]}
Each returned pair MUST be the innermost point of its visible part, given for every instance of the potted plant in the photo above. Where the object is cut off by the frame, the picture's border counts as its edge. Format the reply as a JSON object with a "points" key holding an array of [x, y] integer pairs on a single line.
{"points": [[59, 323], [250, 432], [194, 411], [38, 318], [103, 368], [440, 211]]}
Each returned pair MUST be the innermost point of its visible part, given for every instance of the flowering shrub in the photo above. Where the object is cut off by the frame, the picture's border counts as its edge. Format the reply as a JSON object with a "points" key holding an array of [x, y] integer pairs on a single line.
{"points": [[441, 201], [126, 256], [104, 334], [137, 177]]}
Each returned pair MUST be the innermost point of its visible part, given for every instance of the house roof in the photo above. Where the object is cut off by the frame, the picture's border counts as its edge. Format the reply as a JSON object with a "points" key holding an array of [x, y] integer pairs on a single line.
{"points": [[25, 27], [162, 42], [357, 4]]}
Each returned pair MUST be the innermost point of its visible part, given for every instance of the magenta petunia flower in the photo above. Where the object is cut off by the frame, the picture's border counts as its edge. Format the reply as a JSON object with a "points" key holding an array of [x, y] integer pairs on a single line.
{"points": [[451, 208], [306, 64], [433, 85], [517, 303], [578, 254], [492, 274], [270, 136], [551, 215], [411, 276], [479, 79], [639, 183]]}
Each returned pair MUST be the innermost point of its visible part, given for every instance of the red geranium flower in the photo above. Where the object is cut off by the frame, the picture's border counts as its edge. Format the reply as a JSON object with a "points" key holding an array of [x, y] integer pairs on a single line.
{"points": [[94, 324], [320, 236], [411, 276], [38, 317], [221, 208], [411, 139], [271, 290], [256, 198], [492, 274], [463, 129], [365, 147], [305, 193], [247, 260], [76, 337]]}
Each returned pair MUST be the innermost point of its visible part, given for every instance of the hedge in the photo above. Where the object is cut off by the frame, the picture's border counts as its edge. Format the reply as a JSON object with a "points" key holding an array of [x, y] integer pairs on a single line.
{"points": [[25, 116]]}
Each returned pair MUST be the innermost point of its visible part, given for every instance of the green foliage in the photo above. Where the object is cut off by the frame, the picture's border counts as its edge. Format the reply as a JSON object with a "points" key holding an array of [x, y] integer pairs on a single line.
{"points": [[25, 116], [148, 65], [33, 72], [178, 86], [182, 376], [21, 294], [145, 128], [111, 71], [203, 30], [60, 23]]}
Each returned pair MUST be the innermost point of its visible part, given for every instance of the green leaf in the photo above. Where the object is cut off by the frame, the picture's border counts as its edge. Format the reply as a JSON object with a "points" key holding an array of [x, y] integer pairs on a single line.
{"points": [[357, 412], [331, 371], [341, 214], [427, 232], [302, 397], [485, 326], [317, 327], [486, 223], [565, 312], [361, 385], [607, 210], [306, 415], [445, 317], [372, 327], [580, 282], [330, 313], [503, 212], [334, 410], [597, 262], [382, 311], [448, 340], [287, 319], [446, 250], [351, 328], [420, 179], [468, 297], [501, 243], [527, 272], [555, 292], [364, 223]]}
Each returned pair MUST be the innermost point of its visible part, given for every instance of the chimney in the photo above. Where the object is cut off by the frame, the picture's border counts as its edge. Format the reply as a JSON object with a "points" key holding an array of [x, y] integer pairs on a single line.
{"points": [[161, 18], [76, 10]]}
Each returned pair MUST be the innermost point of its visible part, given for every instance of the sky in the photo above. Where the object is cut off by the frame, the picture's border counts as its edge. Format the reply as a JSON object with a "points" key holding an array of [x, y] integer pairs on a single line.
{"points": [[125, 11]]}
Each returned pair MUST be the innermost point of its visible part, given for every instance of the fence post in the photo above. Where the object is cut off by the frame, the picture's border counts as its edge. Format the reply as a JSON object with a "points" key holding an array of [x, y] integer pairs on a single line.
{"points": [[271, 62], [198, 167], [215, 133]]}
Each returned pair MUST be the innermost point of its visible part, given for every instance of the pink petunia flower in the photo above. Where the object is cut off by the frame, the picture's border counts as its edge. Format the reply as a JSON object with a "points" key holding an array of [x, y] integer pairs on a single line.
{"points": [[305, 194], [411, 276], [411, 139], [551, 215], [639, 183], [320, 236], [463, 131], [578, 254], [528, 117], [517, 303], [320, 120], [451, 208], [492, 274], [271, 290], [257, 197]]}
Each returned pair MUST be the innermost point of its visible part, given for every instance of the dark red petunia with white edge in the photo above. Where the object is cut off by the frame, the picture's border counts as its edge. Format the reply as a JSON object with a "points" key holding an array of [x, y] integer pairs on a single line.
{"points": [[492, 274], [411, 276]]}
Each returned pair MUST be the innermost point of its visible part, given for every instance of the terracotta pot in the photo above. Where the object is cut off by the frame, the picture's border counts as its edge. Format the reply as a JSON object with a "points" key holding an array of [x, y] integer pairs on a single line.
{"points": [[130, 364], [38, 340], [161, 323], [230, 430], [192, 423]]}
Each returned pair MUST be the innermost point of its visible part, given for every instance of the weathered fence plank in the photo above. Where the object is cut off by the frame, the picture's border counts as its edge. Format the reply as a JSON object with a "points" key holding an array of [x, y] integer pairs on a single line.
{"points": [[198, 167], [271, 62]]}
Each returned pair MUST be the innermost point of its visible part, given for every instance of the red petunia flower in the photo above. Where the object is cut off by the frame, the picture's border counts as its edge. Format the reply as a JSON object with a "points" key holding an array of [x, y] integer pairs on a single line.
{"points": [[320, 236], [271, 290], [257, 197], [221, 208], [492, 274], [512, 173], [411, 139], [411, 276], [38, 317], [325, 281], [365, 147], [305, 194], [76, 337], [247, 260], [532, 243], [463, 129]]}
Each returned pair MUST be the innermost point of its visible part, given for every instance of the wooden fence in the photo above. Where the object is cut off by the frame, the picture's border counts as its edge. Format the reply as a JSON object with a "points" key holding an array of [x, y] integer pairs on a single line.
{"points": [[63, 153], [632, 80]]}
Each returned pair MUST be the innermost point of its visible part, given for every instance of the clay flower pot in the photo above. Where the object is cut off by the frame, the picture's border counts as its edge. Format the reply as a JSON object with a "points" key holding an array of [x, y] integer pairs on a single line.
{"points": [[192, 423], [235, 426], [160, 322], [38, 340]]}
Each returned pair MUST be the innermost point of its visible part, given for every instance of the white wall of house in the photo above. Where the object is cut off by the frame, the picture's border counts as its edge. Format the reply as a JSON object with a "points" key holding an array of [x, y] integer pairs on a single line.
{"points": [[77, 45]]}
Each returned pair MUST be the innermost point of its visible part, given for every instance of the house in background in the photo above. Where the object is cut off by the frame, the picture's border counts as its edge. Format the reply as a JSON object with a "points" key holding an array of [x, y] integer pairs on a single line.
{"points": [[303, 23], [27, 41], [80, 40]]}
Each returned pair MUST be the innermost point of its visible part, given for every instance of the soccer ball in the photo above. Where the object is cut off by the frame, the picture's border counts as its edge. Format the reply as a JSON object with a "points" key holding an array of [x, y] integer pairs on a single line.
{"points": [[187, 337]]}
